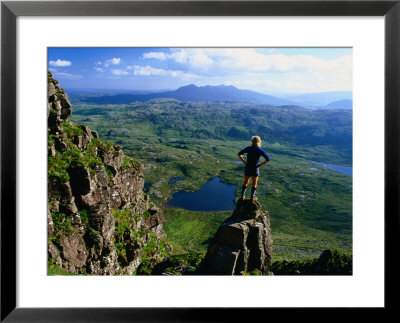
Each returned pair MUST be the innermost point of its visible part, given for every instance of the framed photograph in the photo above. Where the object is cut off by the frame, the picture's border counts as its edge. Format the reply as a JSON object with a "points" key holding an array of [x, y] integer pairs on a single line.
{"points": [[351, 47]]}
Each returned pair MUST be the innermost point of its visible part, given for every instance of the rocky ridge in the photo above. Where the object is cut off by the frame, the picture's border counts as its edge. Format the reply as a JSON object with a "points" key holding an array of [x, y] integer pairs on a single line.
{"points": [[242, 243], [100, 221]]}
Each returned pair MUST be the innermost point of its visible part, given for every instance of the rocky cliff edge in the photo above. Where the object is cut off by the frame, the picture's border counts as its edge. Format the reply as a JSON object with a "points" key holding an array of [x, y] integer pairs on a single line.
{"points": [[100, 222]]}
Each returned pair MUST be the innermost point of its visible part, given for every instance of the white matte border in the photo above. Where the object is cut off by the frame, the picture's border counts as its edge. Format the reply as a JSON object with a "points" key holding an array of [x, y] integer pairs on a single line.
{"points": [[364, 288]]}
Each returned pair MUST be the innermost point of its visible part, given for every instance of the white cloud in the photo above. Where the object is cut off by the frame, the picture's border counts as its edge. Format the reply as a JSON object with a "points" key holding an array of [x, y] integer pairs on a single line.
{"points": [[187, 76], [201, 59], [295, 82], [119, 72], [99, 69], [115, 61], [68, 75], [60, 63], [248, 59], [193, 57], [112, 61], [189, 56], [265, 70], [180, 57], [157, 55], [149, 70]]}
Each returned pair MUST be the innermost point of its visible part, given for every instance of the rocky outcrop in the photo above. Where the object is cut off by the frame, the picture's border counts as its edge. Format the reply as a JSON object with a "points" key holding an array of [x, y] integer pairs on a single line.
{"points": [[100, 221], [242, 244]]}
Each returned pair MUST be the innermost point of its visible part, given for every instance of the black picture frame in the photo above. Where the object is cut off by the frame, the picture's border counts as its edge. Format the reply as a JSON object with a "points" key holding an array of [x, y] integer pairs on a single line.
{"points": [[10, 10]]}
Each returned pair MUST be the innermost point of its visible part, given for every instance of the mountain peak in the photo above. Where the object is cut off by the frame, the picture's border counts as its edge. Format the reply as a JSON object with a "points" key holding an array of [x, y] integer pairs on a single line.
{"points": [[194, 93], [188, 86]]}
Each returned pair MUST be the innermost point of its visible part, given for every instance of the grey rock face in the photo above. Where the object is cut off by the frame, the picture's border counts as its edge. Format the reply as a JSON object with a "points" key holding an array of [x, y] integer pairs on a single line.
{"points": [[51, 89], [225, 259], [51, 151], [90, 195], [66, 201], [101, 220], [74, 251], [242, 244], [53, 253], [50, 223], [58, 99], [66, 107]]}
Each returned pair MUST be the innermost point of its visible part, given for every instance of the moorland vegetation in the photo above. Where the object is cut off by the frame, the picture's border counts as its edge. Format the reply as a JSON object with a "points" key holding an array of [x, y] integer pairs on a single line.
{"points": [[310, 205]]}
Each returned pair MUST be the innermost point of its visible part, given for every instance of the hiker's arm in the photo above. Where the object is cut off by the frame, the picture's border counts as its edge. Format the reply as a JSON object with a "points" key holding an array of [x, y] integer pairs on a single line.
{"points": [[242, 159], [263, 163]]}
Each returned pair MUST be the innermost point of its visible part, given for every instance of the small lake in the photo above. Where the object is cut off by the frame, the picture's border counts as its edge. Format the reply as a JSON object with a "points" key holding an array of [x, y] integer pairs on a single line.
{"points": [[212, 196], [341, 169]]}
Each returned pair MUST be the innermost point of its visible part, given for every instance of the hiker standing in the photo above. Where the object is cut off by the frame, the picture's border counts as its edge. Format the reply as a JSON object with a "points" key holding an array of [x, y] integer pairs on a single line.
{"points": [[252, 164]]}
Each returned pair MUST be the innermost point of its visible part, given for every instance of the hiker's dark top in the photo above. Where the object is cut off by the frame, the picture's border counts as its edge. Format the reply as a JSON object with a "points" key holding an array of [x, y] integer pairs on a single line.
{"points": [[253, 154]]}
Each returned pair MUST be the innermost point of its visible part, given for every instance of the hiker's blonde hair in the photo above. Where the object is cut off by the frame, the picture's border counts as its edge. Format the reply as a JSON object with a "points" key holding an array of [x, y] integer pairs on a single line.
{"points": [[256, 141]]}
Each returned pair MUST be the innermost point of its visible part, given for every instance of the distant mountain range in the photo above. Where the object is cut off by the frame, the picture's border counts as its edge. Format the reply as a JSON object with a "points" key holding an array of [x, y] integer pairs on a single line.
{"points": [[227, 94], [319, 99], [341, 104], [196, 94]]}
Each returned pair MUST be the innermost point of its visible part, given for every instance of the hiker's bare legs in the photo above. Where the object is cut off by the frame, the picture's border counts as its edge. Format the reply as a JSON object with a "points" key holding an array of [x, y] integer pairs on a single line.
{"points": [[254, 180], [244, 186]]}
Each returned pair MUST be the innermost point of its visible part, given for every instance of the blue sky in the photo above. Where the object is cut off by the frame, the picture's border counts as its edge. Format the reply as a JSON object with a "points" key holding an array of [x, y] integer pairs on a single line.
{"points": [[266, 70]]}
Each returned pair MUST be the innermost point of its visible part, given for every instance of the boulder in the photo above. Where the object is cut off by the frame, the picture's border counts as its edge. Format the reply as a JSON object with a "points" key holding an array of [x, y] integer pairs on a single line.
{"points": [[242, 244]]}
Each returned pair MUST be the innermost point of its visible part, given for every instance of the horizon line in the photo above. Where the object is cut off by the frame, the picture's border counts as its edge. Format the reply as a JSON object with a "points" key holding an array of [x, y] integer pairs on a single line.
{"points": [[199, 86]]}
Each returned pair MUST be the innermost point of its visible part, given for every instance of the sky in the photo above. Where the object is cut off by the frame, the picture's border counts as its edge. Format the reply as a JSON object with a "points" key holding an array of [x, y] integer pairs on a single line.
{"points": [[265, 70]]}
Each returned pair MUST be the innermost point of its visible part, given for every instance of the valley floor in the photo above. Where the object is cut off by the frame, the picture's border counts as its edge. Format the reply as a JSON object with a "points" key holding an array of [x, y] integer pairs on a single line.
{"points": [[310, 205]]}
